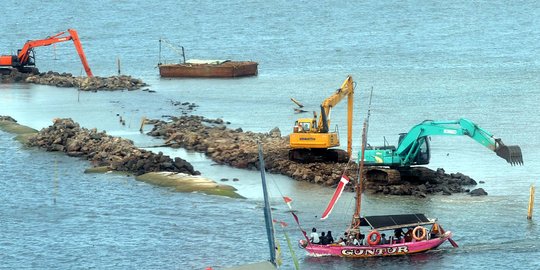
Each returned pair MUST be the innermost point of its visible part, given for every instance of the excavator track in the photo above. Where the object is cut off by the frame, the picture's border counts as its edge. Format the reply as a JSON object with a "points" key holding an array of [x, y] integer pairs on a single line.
{"points": [[318, 155], [382, 175]]}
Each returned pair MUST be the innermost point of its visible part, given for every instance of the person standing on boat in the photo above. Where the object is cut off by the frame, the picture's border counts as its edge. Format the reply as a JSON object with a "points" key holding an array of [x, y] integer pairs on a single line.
{"points": [[314, 236]]}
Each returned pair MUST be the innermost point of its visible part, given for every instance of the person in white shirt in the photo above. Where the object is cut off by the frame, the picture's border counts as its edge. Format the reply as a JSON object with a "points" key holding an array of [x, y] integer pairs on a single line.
{"points": [[314, 236]]}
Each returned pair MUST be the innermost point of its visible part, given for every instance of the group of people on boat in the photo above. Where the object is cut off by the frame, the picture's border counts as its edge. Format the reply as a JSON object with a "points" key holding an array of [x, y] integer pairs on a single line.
{"points": [[323, 239], [374, 237]]}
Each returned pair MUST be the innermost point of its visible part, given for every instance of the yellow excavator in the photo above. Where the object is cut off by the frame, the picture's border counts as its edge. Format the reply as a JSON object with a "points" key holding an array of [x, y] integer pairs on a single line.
{"points": [[311, 139]]}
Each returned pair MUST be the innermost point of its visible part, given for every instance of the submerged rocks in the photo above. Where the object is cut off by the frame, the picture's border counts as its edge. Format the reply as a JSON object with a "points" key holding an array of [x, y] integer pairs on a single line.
{"points": [[478, 192], [239, 149], [8, 124], [103, 150], [188, 183], [121, 82]]}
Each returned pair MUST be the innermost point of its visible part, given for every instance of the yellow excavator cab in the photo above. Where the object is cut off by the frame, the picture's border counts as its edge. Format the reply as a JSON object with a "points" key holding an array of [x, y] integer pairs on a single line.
{"points": [[304, 125], [311, 139]]}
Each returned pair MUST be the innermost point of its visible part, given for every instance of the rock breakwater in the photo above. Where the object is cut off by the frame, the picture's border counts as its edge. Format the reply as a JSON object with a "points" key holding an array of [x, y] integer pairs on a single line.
{"points": [[239, 149], [96, 83], [101, 149]]}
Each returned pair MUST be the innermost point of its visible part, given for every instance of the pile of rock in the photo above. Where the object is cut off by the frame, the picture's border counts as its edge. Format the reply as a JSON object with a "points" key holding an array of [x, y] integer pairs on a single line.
{"points": [[7, 118], [11, 75], [103, 150], [239, 149], [87, 83], [96, 83]]}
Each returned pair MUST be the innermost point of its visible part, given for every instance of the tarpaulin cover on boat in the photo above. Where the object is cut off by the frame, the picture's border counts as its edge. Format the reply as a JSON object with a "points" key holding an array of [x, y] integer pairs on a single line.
{"points": [[393, 220]]}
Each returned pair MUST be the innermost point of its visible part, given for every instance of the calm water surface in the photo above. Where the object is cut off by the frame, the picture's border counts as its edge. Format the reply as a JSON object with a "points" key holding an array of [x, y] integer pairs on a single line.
{"points": [[424, 60]]}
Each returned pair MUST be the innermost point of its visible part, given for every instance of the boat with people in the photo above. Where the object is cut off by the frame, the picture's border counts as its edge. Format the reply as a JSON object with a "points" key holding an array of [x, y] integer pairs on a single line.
{"points": [[367, 236], [422, 234]]}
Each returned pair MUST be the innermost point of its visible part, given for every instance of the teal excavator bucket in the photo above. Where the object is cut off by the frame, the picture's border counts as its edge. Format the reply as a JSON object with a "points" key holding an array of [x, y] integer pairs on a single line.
{"points": [[511, 153]]}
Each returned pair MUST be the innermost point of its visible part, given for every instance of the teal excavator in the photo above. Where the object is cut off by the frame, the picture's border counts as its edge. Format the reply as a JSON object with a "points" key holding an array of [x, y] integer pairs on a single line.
{"points": [[413, 148]]}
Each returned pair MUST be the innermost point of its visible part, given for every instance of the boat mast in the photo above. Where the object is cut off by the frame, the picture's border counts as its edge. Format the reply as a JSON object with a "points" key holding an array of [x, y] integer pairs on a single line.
{"points": [[359, 183], [267, 211]]}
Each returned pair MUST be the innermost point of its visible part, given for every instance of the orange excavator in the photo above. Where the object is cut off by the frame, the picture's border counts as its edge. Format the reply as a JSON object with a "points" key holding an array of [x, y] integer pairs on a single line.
{"points": [[24, 61]]}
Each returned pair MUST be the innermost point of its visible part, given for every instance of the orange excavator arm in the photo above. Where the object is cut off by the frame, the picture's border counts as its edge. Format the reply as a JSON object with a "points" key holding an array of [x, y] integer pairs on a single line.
{"points": [[78, 47], [24, 54]]}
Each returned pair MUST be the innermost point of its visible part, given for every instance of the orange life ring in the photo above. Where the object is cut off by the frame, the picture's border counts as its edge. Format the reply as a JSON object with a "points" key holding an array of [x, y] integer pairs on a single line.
{"points": [[370, 240], [421, 236]]}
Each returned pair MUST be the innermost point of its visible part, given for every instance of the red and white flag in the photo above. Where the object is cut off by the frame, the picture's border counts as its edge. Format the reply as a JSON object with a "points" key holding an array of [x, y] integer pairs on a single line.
{"points": [[342, 182], [288, 201]]}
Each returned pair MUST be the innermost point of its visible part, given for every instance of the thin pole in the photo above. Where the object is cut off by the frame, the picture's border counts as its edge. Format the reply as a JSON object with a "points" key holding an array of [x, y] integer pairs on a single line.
{"points": [[531, 202], [143, 121], [183, 54], [267, 211], [360, 183], [55, 190], [118, 64], [159, 60]]}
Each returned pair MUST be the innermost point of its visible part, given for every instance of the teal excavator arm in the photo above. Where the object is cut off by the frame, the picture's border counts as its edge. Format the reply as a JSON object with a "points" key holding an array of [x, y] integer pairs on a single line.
{"points": [[413, 147]]}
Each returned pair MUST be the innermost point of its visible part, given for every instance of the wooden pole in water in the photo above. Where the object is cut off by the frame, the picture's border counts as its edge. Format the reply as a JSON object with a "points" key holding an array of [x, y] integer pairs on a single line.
{"points": [[118, 63], [531, 202], [55, 190], [142, 124]]}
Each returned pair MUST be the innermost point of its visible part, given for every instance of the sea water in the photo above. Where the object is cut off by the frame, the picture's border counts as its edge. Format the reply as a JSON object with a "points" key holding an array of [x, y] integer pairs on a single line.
{"points": [[422, 59]]}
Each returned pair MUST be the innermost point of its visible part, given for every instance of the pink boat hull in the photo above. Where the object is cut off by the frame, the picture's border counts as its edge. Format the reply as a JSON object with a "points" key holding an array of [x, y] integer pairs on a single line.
{"points": [[376, 250]]}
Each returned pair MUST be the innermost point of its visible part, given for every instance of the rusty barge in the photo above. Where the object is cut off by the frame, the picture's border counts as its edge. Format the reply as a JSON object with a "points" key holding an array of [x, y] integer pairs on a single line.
{"points": [[209, 69], [196, 68]]}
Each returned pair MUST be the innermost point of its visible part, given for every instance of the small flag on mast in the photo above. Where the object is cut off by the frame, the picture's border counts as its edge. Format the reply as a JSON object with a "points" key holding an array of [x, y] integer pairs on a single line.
{"points": [[288, 201], [342, 182]]}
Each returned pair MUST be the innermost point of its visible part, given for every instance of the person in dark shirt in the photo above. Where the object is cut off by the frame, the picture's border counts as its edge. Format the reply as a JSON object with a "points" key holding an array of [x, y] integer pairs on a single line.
{"points": [[324, 240], [398, 233], [383, 239], [329, 237]]}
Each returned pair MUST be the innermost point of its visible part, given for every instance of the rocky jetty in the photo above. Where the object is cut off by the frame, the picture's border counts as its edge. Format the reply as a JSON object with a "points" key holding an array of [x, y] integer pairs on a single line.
{"points": [[239, 149], [103, 150], [96, 83]]}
